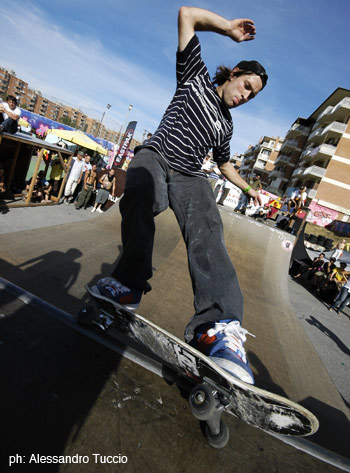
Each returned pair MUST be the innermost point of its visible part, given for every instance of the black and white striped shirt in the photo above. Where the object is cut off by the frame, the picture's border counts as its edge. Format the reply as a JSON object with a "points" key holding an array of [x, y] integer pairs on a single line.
{"points": [[196, 120]]}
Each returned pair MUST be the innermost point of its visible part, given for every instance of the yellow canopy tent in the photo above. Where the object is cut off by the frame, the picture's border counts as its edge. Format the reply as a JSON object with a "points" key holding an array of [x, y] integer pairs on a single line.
{"points": [[80, 139]]}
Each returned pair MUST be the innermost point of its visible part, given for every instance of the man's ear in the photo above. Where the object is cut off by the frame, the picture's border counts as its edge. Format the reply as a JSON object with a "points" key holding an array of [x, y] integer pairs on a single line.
{"points": [[233, 72]]}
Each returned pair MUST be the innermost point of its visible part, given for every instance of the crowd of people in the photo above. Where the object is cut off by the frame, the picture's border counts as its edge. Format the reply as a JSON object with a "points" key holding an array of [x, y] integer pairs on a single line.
{"points": [[328, 279], [222, 187], [85, 186]]}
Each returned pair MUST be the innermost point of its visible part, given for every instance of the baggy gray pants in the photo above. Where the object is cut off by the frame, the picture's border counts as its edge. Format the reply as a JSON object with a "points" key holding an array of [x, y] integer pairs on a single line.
{"points": [[151, 187]]}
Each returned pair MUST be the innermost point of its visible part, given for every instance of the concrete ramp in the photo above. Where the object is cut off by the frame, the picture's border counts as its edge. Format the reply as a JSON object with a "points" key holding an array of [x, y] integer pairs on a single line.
{"points": [[55, 263]]}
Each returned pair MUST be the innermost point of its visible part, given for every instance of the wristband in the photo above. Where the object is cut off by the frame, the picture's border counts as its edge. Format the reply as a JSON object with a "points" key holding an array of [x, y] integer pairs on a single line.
{"points": [[247, 189]]}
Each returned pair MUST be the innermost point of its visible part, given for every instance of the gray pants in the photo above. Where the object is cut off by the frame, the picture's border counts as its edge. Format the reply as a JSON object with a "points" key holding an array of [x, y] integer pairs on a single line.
{"points": [[152, 186]]}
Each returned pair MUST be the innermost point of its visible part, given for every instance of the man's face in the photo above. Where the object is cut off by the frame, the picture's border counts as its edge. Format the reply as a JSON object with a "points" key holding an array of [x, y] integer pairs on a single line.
{"points": [[239, 89], [11, 104]]}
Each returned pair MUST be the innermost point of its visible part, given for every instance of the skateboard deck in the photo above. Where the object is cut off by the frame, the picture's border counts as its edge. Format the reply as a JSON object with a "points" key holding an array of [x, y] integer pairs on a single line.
{"points": [[215, 390]]}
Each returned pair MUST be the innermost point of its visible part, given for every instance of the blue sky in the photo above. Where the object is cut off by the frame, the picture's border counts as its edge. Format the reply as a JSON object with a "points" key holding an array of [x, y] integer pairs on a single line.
{"points": [[87, 53]]}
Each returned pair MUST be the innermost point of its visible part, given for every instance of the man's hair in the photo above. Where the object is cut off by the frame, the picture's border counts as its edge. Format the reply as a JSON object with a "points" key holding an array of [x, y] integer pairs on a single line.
{"points": [[13, 98], [223, 73]]}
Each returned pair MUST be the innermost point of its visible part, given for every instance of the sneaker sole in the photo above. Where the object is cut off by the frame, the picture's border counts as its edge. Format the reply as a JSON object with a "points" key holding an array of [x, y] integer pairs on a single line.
{"points": [[96, 290]]}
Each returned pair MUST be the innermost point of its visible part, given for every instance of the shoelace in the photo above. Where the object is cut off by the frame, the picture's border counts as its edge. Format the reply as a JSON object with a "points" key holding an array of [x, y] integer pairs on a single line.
{"points": [[235, 335], [117, 288]]}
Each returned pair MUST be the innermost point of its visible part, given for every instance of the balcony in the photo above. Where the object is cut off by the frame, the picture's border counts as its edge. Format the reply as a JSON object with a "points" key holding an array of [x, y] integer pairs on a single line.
{"points": [[340, 111], [244, 166], [277, 174], [297, 130], [290, 144], [311, 172], [324, 152], [260, 166], [316, 136], [283, 158], [333, 129]]}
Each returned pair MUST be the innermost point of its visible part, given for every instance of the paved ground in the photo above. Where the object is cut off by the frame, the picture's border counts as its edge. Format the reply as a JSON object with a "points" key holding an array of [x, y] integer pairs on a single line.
{"points": [[70, 395]]}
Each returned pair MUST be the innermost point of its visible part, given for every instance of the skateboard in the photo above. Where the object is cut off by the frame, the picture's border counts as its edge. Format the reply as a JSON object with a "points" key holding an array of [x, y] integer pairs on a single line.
{"points": [[212, 390]]}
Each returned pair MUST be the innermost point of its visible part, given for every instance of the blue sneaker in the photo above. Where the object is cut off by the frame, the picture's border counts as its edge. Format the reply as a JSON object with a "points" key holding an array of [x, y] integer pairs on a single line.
{"points": [[114, 290], [223, 342]]}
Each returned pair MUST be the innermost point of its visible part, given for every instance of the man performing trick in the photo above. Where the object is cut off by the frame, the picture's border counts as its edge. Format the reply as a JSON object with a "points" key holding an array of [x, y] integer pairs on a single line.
{"points": [[166, 172]]}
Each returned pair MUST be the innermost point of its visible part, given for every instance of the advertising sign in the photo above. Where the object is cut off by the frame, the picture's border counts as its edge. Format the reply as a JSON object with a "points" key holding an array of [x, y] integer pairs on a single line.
{"points": [[123, 151], [320, 215]]}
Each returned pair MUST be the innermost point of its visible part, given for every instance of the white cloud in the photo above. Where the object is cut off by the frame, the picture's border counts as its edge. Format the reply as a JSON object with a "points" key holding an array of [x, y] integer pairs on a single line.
{"points": [[78, 71]]}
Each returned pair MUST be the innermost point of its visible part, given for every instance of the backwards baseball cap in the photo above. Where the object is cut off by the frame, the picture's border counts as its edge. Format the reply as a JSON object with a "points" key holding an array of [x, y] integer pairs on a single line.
{"points": [[80, 153], [254, 67]]}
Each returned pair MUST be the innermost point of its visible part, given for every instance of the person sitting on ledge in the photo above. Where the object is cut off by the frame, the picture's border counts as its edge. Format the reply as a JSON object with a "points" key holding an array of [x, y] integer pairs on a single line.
{"points": [[10, 115]]}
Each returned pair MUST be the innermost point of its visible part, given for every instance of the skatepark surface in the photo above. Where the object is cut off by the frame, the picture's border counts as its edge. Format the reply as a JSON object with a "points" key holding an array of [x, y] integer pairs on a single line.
{"points": [[64, 394]]}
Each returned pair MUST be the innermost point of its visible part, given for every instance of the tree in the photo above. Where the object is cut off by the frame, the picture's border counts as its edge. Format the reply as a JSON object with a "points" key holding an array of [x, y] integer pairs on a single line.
{"points": [[67, 121]]}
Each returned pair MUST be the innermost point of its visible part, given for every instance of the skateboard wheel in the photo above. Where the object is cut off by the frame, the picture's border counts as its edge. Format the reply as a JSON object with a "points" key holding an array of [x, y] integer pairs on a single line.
{"points": [[220, 440], [202, 402]]}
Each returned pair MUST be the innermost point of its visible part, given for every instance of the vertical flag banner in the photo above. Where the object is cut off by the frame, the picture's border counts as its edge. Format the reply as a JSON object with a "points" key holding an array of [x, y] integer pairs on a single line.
{"points": [[122, 153]]}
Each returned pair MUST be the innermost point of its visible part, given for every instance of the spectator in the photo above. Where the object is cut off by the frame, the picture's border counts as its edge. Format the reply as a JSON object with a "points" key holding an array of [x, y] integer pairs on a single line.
{"points": [[337, 278], [37, 194], [342, 298], [89, 187], [2, 181], [108, 183], [148, 137], [308, 271], [56, 175], [212, 171], [87, 167], [74, 177], [261, 212], [255, 183], [338, 250], [320, 277], [10, 115], [297, 199], [45, 187], [225, 191]]}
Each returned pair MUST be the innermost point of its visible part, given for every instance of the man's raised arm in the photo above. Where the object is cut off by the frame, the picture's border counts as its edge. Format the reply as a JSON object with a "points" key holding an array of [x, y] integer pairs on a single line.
{"points": [[191, 19]]}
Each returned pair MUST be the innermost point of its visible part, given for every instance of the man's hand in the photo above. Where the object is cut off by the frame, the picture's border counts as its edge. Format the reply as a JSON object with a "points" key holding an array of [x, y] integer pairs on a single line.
{"points": [[242, 29], [192, 19], [255, 195]]}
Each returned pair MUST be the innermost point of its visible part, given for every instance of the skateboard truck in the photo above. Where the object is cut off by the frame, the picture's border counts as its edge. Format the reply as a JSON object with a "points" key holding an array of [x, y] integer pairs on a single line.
{"points": [[102, 322], [207, 407]]}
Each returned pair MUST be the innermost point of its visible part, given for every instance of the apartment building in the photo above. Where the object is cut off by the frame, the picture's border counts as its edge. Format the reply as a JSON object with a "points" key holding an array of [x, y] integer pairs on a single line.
{"points": [[35, 102], [316, 154], [260, 159]]}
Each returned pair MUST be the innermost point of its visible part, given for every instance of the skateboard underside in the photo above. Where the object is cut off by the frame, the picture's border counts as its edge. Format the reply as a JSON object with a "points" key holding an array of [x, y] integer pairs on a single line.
{"points": [[220, 391]]}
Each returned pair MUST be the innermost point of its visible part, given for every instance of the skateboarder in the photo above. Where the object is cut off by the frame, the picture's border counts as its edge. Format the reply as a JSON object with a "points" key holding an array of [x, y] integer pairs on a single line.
{"points": [[166, 171]]}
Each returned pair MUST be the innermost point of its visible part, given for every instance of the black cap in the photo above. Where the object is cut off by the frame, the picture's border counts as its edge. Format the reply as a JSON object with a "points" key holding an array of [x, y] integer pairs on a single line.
{"points": [[256, 68]]}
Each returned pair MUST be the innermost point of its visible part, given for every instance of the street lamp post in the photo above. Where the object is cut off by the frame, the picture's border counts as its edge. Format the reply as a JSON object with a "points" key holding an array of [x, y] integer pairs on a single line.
{"points": [[125, 125], [99, 127]]}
